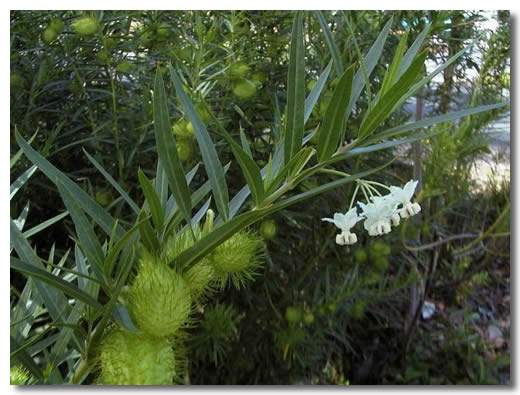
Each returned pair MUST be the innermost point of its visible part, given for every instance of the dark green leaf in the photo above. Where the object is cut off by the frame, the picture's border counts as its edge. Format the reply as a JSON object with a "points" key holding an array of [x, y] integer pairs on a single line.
{"points": [[167, 149], [331, 131], [338, 64], [212, 164], [152, 199], [295, 91]]}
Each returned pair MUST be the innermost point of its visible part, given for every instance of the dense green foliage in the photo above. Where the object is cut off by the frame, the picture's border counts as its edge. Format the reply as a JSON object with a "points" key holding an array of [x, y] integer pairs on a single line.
{"points": [[259, 294]]}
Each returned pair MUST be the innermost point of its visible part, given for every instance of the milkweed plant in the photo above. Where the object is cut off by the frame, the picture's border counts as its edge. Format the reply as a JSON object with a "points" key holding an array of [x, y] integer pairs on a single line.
{"points": [[137, 285]]}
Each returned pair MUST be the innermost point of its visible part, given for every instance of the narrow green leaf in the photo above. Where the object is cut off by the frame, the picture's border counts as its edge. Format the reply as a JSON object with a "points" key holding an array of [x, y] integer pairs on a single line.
{"points": [[87, 203], [44, 225], [290, 170], [386, 104], [212, 164], [15, 186], [153, 201], [88, 239], [412, 52], [148, 235], [245, 143], [433, 121], [391, 74], [315, 93], [54, 301], [27, 361], [370, 60], [331, 131], [118, 246], [295, 91], [113, 182], [417, 86], [338, 64], [18, 155], [55, 282], [249, 169], [167, 149]]}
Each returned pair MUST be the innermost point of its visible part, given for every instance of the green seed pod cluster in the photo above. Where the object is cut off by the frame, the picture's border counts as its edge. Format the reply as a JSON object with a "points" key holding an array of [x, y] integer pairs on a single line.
{"points": [[85, 26], [243, 83], [136, 359], [18, 375], [238, 258], [158, 298]]}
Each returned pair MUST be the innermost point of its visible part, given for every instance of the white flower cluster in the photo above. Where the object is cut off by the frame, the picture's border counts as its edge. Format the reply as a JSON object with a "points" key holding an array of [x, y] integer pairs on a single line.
{"points": [[379, 214]]}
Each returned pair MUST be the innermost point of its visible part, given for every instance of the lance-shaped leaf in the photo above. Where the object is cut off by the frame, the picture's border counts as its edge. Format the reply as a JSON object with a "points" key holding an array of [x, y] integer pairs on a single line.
{"points": [[86, 202], [391, 74], [315, 93], [213, 166], [338, 64], [167, 149], [386, 104], [331, 130], [88, 239], [295, 91], [153, 200], [371, 59], [55, 281]]}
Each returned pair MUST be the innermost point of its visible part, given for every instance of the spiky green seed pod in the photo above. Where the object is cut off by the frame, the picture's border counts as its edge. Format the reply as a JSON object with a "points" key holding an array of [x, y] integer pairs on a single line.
{"points": [[85, 26], [136, 359], [185, 148], [200, 277], [244, 89], [49, 35], [19, 376], [268, 229], [293, 314], [239, 257], [158, 298], [183, 128]]}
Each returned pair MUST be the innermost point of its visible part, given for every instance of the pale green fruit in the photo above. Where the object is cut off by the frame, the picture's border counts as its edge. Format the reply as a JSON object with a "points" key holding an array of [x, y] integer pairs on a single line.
{"points": [[293, 314], [238, 70], [136, 359], [85, 26], [158, 298], [49, 35], [268, 229], [244, 89]]}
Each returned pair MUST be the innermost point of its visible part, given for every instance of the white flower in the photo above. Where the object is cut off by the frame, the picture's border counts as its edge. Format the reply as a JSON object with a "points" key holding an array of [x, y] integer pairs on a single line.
{"points": [[403, 196], [345, 222], [380, 214]]}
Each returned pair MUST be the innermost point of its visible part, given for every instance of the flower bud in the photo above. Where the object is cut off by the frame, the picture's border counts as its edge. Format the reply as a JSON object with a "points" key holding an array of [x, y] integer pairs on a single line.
{"points": [[136, 359]]}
